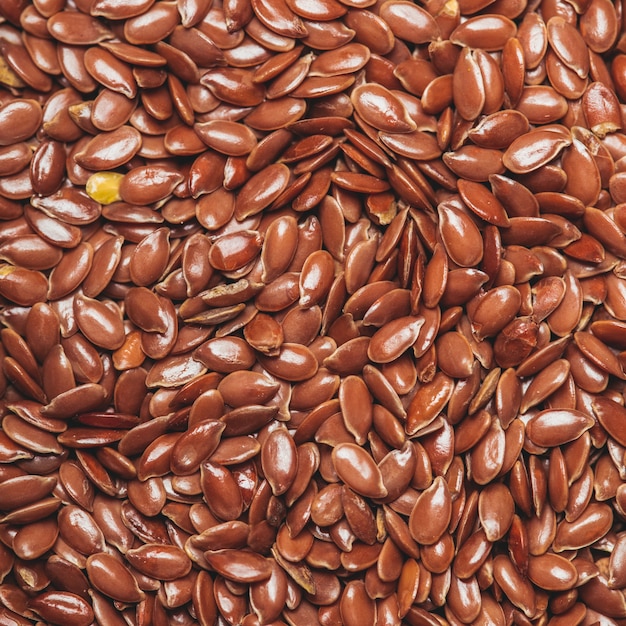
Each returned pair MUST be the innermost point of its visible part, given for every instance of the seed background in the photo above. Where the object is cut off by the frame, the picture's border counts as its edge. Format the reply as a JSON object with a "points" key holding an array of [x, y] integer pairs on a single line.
{"points": [[312, 312]]}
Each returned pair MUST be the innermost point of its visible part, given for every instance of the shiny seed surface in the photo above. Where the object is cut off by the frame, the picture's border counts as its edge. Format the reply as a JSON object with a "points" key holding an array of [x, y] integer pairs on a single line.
{"points": [[312, 312]]}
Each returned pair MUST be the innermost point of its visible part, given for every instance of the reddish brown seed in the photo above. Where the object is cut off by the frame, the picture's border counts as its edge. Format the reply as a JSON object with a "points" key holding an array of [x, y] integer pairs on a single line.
{"points": [[517, 589], [239, 565], [554, 427], [532, 150], [195, 445], [107, 151], [495, 510], [610, 414], [409, 22], [460, 235], [294, 362], [568, 44], [381, 109], [428, 402], [230, 138], [316, 278], [483, 203], [148, 184], [23, 490], [505, 299], [592, 525], [164, 562], [79, 530], [112, 578], [358, 470], [100, 324], [62, 607], [19, 119], [468, 89], [261, 190], [489, 32], [279, 460], [431, 513], [394, 338], [499, 129]]}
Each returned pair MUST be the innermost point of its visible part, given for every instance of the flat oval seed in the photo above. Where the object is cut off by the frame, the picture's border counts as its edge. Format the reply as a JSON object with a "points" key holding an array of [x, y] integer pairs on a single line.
{"points": [[611, 416], [532, 150], [409, 21], [489, 32], [112, 578], [294, 362], [552, 572], [163, 562], [381, 109], [568, 44], [495, 510], [357, 469], [101, 324], [261, 190], [316, 278], [516, 587], [460, 236], [107, 151], [431, 513], [279, 460], [62, 607], [149, 184], [233, 251], [588, 528], [468, 89], [239, 565], [195, 445], [554, 427], [79, 529], [19, 119], [230, 138], [391, 341]]}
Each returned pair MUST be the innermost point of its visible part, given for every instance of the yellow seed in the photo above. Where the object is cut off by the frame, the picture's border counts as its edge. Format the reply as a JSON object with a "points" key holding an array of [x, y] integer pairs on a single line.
{"points": [[8, 77], [104, 187], [382, 206]]}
